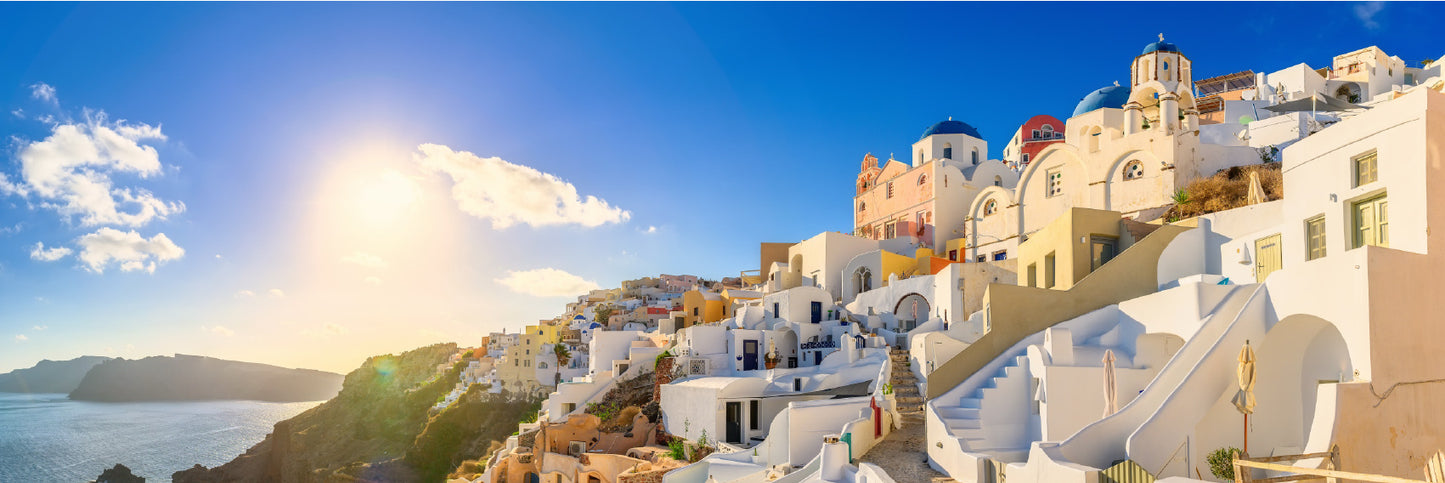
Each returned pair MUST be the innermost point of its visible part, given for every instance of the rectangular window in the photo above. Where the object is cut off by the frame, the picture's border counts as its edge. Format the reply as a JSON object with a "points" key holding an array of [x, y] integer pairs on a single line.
{"points": [[1036, 134], [981, 258], [1000, 255], [1049, 270], [953, 255], [890, 190], [1055, 182], [1101, 250], [753, 415], [890, 231], [1315, 233], [1372, 222], [1033, 275], [1366, 171]]}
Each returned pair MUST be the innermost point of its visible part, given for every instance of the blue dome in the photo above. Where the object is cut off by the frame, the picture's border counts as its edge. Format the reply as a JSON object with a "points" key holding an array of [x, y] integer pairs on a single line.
{"points": [[1160, 46], [1112, 96], [951, 127]]}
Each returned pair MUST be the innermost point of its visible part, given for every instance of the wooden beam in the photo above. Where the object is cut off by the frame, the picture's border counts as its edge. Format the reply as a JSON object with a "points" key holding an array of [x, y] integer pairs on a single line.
{"points": [[1321, 472]]}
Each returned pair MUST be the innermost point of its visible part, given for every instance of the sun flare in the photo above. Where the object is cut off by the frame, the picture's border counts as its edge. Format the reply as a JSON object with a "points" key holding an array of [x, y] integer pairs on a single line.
{"points": [[384, 198]]}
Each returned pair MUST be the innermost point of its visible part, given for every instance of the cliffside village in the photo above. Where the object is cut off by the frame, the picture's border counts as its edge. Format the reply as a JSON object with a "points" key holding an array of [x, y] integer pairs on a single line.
{"points": [[1181, 267]]}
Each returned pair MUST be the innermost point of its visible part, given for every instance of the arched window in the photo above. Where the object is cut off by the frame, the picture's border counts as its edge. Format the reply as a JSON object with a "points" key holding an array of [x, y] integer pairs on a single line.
{"points": [[922, 178], [862, 206], [998, 180], [1048, 131], [990, 207], [920, 156], [1165, 65], [947, 150], [975, 155], [863, 279], [1133, 170]]}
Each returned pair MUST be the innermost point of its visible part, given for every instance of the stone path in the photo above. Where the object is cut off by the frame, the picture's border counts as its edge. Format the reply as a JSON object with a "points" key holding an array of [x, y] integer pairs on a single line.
{"points": [[902, 452]]}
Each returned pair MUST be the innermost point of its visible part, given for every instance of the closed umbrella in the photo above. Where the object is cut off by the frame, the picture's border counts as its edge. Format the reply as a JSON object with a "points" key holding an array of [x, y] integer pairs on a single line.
{"points": [[1111, 399], [1256, 190], [1244, 400]]}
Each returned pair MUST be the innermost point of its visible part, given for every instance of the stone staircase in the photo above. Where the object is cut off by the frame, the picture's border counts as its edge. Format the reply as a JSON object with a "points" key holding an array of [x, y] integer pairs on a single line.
{"points": [[905, 385], [902, 453], [1003, 404]]}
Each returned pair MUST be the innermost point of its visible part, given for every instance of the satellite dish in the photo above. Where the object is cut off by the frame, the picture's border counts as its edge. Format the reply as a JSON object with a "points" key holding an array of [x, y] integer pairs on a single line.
{"points": [[1245, 120]]}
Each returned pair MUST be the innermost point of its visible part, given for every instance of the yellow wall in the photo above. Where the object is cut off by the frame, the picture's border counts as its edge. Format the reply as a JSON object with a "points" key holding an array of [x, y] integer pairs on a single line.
{"points": [[1072, 259], [708, 310], [893, 263], [957, 246], [1015, 312]]}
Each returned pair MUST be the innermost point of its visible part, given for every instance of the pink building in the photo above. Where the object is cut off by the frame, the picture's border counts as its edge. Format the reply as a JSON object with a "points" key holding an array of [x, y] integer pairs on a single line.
{"points": [[928, 197]]}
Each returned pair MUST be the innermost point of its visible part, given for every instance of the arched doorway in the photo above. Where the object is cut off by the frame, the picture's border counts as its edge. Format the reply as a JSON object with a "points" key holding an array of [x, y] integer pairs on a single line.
{"points": [[910, 310]]}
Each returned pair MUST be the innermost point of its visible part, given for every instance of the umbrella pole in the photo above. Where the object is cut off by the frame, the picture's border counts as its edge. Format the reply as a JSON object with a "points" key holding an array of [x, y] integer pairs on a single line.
{"points": [[1246, 433]]}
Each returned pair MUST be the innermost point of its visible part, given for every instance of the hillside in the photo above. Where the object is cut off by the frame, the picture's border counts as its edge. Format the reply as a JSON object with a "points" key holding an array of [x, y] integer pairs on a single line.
{"points": [[379, 428], [49, 376], [195, 378]]}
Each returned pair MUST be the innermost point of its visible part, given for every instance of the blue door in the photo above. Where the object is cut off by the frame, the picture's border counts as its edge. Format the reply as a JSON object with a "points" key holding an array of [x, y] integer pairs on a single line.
{"points": [[750, 355], [817, 312]]}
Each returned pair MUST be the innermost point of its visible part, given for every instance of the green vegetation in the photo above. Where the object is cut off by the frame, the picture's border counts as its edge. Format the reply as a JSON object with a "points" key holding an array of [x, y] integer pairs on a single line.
{"points": [[601, 313], [464, 430], [1221, 463]]}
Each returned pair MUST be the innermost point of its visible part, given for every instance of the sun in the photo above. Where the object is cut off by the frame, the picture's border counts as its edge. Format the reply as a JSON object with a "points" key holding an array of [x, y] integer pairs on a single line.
{"points": [[384, 198]]}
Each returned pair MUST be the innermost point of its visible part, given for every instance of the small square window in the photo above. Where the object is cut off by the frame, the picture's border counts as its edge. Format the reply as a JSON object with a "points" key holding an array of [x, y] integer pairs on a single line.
{"points": [[1055, 182], [1366, 168]]}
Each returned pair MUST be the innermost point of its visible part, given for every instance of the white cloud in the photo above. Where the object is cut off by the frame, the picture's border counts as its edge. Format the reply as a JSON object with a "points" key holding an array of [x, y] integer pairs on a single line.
{"points": [[365, 259], [276, 293], [218, 256], [245, 293], [21, 338], [650, 230], [326, 331], [48, 254], [129, 249], [70, 172], [39, 328], [546, 282], [1366, 12], [222, 331], [44, 92], [372, 280], [508, 194], [18, 112]]}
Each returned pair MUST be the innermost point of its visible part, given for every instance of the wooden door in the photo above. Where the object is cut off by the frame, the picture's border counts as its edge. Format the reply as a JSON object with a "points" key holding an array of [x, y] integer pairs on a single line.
{"points": [[1267, 257]]}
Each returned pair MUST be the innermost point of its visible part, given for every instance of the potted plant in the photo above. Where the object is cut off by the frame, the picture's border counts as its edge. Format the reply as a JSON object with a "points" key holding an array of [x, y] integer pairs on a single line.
{"points": [[770, 360]]}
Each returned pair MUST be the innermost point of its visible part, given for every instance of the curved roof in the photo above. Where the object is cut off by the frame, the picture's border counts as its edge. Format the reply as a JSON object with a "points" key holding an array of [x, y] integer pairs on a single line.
{"points": [[1111, 96], [951, 127], [1160, 46]]}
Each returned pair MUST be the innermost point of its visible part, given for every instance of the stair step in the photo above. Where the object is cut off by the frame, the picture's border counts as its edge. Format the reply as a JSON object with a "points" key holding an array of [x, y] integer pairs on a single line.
{"points": [[970, 402]]}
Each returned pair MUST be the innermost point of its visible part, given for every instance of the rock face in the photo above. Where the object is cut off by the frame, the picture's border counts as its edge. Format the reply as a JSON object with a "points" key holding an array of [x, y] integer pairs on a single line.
{"points": [[49, 376], [379, 428], [118, 474], [194, 378]]}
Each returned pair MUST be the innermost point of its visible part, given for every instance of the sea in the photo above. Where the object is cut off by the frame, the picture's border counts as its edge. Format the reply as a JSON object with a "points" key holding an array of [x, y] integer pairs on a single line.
{"points": [[49, 438]]}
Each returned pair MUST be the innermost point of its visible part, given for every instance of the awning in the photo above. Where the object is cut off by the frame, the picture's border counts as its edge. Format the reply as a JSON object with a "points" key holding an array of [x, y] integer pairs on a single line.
{"points": [[1317, 103]]}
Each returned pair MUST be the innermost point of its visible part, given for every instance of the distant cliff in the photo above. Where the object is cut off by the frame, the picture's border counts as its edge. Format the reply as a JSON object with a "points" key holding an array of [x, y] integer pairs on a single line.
{"points": [[379, 429], [195, 378], [49, 376]]}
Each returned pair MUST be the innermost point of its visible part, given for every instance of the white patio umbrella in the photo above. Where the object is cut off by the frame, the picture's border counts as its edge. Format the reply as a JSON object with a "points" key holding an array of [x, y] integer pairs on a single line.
{"points": [[1111, 389], [1244, 399], [1256, 193]]}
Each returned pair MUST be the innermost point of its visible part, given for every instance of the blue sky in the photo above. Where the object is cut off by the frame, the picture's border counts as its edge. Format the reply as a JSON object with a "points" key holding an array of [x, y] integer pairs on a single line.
{"points": [[712, 126]]}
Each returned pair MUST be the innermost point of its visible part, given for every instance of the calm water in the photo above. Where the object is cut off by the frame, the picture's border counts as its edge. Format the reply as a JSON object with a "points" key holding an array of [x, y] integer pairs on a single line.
{"points": [[46, 437]]}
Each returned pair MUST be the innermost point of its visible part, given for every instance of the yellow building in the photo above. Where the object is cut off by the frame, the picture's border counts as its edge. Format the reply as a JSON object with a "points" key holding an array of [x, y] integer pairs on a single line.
{"points": [[1075, 245], [702, 307], [518, 370], [734, 298]]}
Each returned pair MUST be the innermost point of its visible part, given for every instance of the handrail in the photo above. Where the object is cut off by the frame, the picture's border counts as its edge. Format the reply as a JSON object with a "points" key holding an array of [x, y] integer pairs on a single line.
{"points": [[1171, 458], [1267, 463]]}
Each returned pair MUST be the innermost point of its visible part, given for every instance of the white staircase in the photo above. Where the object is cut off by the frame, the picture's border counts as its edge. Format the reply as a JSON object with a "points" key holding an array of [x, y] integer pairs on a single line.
{"points": [[1005, 403]]}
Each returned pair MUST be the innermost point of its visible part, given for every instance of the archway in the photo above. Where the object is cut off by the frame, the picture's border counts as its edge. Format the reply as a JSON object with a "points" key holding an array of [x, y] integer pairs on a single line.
{"points": [[1300, 353], [863, 279], [911, 309]]}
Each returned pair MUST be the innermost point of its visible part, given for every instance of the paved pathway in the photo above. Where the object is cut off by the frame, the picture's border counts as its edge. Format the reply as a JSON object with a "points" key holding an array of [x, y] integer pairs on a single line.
{"points": [[902, 453]]}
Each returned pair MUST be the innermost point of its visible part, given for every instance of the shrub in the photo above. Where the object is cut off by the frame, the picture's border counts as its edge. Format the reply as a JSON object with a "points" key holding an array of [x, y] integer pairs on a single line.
{"points": [[676, 449], [1221, 463]]}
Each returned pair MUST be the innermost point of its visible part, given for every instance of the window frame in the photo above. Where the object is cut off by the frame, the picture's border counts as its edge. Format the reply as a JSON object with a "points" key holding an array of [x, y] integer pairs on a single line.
{"points": [[1315, 229], [1373, 156], [1053, 182]]}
